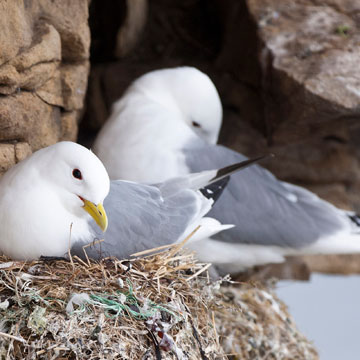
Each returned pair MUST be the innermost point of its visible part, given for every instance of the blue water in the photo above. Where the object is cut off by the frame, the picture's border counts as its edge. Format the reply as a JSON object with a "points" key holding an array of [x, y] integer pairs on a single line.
{"points": [[327, 311]]}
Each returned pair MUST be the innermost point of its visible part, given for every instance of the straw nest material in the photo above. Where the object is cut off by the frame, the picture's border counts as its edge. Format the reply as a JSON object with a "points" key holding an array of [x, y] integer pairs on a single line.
{"points": [[162, 306]]}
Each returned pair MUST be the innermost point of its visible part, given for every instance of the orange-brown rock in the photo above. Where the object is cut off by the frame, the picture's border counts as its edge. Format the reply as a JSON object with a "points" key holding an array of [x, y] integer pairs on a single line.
{"points": [[70, 18], [44, 51], [24, 116], [12, 153], [67, 87]]}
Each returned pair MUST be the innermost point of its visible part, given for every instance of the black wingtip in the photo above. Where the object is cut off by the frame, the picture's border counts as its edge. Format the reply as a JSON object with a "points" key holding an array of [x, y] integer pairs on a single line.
{"points": [[355, 218], [228, 170], [214, 190]]}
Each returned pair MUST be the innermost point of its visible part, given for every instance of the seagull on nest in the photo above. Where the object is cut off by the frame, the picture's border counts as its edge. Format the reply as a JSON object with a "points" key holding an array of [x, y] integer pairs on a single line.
{"points": [[167, 123], [56, 199]]}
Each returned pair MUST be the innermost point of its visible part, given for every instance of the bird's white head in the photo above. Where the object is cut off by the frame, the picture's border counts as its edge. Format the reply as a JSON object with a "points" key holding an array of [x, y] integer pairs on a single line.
{"points": [[44, 194], [78, 175], [190, 92]]}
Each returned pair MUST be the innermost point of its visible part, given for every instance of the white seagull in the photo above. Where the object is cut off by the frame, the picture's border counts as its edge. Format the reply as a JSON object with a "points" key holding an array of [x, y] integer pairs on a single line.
{"points": [[167, 124], [54, 201]]}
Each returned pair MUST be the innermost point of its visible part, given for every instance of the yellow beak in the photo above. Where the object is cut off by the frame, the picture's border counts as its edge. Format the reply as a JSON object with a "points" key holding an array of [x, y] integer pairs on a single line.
{"points": [[97, 212]]}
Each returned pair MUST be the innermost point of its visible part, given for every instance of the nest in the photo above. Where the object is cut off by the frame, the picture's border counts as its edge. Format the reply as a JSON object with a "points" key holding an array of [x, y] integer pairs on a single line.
{"points": [[162, 306]]}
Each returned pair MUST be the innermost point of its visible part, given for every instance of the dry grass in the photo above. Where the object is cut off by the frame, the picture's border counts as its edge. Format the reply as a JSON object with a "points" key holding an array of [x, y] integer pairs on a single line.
{"points": [[264, 330], [161, 306]]}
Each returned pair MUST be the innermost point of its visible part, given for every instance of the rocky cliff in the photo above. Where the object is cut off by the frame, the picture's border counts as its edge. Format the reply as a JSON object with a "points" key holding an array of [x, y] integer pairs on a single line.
{"points": [[44, 64]]}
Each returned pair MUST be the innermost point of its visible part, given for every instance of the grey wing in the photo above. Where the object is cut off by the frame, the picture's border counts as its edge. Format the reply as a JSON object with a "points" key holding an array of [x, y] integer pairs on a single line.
{"points": [[139, 219], [266, 211]]}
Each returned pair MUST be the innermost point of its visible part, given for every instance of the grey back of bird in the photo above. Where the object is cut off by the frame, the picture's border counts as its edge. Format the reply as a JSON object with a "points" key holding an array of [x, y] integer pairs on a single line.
{"points": [[266, 211], [140, 218]]}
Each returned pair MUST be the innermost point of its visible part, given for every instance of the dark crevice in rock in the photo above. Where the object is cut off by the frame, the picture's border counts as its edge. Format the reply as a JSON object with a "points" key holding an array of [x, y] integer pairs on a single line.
{"points": [[39, 63], [47, 102], [105, 19], [336, 139]]}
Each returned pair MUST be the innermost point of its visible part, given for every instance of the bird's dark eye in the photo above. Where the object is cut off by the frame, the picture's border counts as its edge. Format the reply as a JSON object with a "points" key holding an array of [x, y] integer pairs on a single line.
{"points": [[196, 124], [77, 174]]}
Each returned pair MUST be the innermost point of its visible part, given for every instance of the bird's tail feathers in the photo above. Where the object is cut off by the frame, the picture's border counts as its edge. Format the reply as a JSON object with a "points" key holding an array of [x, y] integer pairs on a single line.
{"points": [[208, 227], [341, 243], [233, 258]]}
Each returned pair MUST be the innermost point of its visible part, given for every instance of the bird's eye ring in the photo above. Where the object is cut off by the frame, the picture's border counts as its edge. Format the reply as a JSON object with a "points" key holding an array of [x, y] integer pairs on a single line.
{"points": [[77, 174], [196, 124]]}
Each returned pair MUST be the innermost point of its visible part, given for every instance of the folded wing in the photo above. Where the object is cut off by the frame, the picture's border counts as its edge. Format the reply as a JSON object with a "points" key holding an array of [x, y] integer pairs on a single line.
{"points": [[266, 211]]}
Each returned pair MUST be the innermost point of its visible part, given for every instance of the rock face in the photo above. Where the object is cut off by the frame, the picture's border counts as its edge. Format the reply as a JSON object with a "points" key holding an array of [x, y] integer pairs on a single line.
{"points": [[286, 73], [308, 53], [44, 66]]}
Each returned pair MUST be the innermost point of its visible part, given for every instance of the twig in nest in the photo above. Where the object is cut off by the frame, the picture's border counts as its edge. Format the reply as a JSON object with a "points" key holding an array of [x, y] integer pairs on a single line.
{"points": [[214, 326], [156, 346], [199, 272], [88, 245], [176, 246], [13, 337], [69, 247], [196, 336]]}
